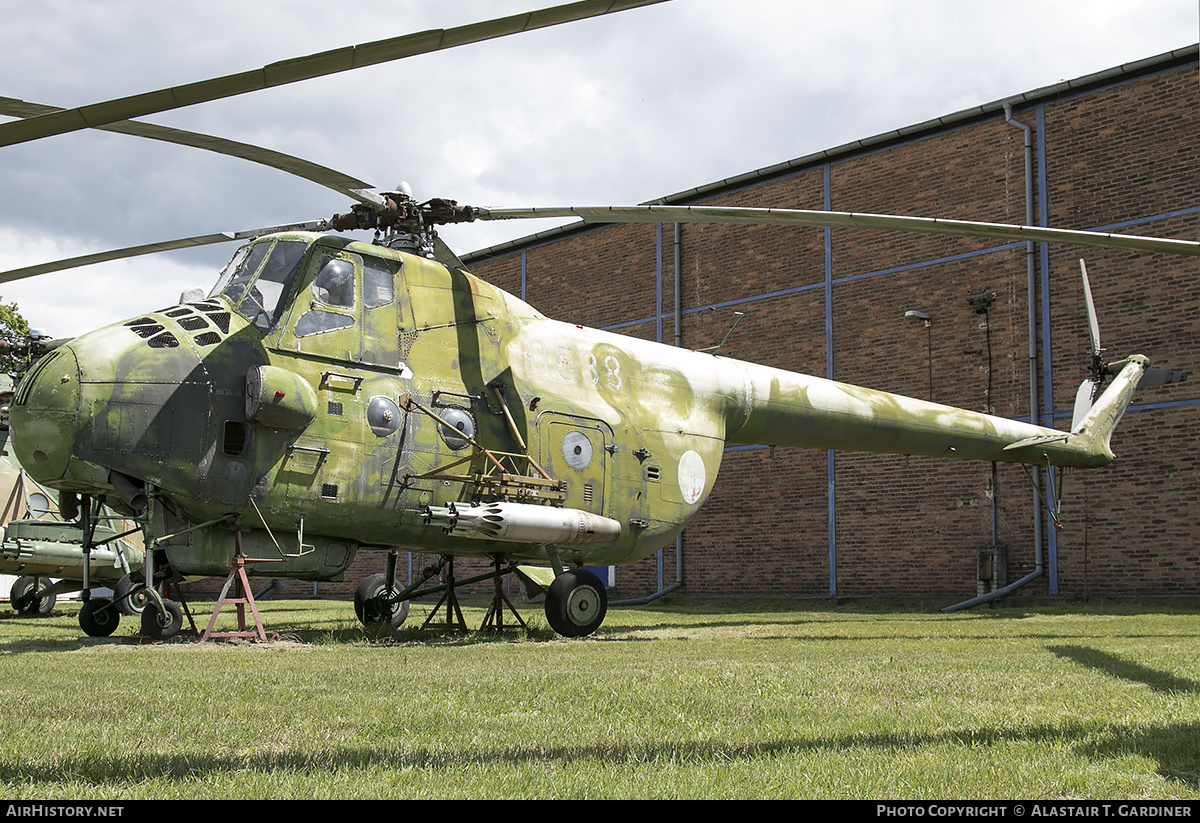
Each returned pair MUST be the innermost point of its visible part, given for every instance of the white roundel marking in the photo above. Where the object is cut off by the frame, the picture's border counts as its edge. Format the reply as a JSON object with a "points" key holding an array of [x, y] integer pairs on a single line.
{"points": [[691, 476]]}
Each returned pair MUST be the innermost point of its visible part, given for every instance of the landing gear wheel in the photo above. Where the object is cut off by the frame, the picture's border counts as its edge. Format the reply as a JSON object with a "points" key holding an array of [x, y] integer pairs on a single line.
{"points": [[576, 603], [370, 607], [130, 604], [23, 599], [99, 617], [162, 627]]}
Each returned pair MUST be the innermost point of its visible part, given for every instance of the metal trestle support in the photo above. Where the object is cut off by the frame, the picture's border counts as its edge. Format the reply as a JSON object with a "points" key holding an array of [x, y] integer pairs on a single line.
{"points": [[454, 617], [493, 621]]}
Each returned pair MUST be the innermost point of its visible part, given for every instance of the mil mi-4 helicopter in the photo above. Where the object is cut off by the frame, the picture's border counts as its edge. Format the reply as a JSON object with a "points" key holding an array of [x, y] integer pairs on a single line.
{"points": [[332, 395]]}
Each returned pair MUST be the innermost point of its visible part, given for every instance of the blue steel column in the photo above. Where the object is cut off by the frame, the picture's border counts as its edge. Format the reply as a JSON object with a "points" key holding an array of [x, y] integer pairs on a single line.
{"points": [[1047, 379], [829, 467]]}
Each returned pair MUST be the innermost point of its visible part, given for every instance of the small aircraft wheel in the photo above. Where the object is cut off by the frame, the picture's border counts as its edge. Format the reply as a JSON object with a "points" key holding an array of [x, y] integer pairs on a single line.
{"points": [[130, 596], [23, 599], [162, 626], [371, 608], [99, 617], [576, 603]]}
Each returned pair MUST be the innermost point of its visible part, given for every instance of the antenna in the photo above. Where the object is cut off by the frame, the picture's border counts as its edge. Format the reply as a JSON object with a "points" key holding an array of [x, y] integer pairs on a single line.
{"points": [[717, 348]]}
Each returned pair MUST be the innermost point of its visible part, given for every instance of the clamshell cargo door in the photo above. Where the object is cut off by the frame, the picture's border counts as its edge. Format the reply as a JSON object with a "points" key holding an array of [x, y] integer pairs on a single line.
{"points": [[575, 450]]}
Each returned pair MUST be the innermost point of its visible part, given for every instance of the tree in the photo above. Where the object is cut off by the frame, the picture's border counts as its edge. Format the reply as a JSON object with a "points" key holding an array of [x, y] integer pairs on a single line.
{"points": [[13, 330]]}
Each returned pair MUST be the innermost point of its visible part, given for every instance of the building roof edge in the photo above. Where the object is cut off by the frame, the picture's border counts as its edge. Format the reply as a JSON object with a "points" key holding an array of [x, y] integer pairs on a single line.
{"points": [[1118, 74]]}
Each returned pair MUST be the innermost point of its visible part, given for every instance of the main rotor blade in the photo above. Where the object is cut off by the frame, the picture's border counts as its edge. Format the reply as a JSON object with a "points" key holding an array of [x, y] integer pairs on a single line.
{"points": [[154, 248], [303, 68], [846, 220], [1093, 323], [341, 183]]}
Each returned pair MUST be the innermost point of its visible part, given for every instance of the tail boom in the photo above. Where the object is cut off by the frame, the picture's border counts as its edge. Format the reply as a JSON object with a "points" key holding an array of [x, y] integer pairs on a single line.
{"points": [[788, 409]]}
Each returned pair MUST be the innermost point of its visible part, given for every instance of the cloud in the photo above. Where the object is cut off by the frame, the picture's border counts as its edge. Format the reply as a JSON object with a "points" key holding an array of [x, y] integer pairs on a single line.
{"points": [[620, 109]]}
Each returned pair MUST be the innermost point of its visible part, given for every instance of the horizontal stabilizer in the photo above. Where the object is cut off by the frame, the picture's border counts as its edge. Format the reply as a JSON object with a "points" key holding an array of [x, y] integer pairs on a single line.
{"points": [[1041, 440], [1162, 377]]}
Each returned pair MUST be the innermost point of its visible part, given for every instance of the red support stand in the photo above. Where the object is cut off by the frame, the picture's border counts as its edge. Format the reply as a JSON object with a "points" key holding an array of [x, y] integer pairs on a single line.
{"points": [[242, 597]]}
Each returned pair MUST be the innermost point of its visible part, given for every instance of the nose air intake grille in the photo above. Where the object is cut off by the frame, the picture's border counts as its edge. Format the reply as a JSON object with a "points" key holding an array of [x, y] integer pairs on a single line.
{"points": [[166, 340], [27, 384], [144, 327], [191, 317]]}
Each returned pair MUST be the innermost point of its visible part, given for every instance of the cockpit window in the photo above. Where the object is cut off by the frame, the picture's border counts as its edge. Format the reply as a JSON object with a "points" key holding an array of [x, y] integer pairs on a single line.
{"points": [[261, 299], [241, 268], [275, 280]]}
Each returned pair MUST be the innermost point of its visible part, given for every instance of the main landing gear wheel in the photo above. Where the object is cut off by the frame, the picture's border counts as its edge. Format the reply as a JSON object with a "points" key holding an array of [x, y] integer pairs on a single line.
{"points": [[162, 626], [371, 607], [576, 603], [25, 602], [130, 604], [99, 617]]}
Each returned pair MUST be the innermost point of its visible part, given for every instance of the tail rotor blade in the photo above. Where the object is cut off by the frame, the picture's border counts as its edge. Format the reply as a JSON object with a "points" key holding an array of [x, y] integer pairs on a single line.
{"points": [[1084, 398]]}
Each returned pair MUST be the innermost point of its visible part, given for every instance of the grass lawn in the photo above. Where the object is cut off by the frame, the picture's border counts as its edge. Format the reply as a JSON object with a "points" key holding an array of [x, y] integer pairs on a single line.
{"points": [[732, 700]]}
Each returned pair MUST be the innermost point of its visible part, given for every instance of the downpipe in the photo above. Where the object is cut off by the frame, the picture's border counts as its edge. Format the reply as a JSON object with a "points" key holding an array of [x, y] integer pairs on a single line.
{"points": [[1031, 292], [990, 596]]}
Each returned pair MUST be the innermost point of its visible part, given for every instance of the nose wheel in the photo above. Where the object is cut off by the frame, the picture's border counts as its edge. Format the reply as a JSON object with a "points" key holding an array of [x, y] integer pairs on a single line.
{"points": [[99, 617], [576, 603], [130, 595], [161, 624]]}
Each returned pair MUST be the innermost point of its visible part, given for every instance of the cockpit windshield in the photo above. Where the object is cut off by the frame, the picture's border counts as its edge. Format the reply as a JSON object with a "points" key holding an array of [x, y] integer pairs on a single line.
{"points": [[259, 277]]}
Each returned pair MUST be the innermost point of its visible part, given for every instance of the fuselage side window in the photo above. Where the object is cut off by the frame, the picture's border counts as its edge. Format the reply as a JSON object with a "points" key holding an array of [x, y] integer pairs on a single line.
{"points": [[378, 277], [331, 297]]}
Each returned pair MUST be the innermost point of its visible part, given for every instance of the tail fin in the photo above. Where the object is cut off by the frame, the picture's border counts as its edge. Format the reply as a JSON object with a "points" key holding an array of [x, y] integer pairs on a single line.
{"points": [[1096, 414], [1095, 429]]}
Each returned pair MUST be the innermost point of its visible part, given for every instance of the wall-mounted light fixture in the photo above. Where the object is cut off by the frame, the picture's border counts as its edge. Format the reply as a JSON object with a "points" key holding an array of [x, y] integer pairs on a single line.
{"points": [[913, 314]]}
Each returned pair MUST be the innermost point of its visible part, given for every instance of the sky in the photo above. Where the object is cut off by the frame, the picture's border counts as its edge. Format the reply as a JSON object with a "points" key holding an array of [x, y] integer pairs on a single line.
{"points": [[615, 110]]}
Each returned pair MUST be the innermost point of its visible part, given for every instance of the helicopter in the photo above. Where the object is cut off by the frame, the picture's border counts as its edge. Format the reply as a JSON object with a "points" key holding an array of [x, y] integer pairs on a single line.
{"points": [[330, 396]]}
